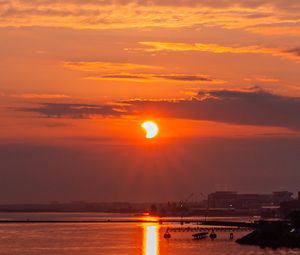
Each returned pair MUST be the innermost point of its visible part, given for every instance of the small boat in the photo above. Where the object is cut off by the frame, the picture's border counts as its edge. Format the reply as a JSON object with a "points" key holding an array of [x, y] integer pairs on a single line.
{"points": [[213, 235], [200, 235], [167, 235]]}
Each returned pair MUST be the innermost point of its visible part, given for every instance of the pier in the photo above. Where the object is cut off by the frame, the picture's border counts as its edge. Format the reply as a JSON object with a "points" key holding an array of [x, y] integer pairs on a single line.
{"points": [[202, 225], [210, 229]]}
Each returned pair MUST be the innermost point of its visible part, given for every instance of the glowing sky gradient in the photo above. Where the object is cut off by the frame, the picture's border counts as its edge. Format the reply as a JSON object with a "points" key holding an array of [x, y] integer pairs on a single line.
{"points": [[77, 79]]}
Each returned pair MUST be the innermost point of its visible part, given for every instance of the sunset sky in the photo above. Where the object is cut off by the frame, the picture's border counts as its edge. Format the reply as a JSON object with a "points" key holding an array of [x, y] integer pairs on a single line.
{"points": [[77, 79]]}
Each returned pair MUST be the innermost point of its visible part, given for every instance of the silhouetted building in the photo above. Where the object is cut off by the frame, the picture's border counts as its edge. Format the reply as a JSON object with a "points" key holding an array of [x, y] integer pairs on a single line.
{"points": [[253, 201], [231, 199], [287, 207], [282, 196], [222, 199]]}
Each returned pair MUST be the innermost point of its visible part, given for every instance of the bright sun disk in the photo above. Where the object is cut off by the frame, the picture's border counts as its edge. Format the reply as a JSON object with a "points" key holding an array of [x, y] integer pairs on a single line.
{"points": [[151, 129]]}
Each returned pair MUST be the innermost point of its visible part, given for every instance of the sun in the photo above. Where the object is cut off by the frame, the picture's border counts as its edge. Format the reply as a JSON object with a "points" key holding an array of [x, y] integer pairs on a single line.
{"points": [[151, 129]]}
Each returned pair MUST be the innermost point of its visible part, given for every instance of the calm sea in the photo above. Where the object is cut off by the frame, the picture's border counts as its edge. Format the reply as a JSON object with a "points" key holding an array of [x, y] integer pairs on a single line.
{"points": [[110, 239]]}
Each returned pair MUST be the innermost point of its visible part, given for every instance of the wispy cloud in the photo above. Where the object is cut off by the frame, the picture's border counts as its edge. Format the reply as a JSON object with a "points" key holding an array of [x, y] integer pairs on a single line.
{"points": [[76, 111], [106, 14], [157, 78], [39, 96], [219, 49], [277, 28], [262, 79], [121, 77], [94, 66], [133, 72], [185, 77], [295, 51]]}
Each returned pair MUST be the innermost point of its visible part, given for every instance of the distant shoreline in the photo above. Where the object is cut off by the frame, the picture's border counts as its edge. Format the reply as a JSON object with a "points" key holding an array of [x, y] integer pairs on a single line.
{"points": [[160, 215]]}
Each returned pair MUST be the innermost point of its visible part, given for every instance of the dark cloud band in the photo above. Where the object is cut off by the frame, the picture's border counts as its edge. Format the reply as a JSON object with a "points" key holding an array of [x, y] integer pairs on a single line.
{"points": [[252, 107]]}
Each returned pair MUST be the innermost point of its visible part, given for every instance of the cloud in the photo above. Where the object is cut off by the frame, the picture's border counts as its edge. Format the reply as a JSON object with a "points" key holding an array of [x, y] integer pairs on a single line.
{"points": [[156, 78], [276, 28], [104, 14], [121, 77], [214, 48], [94, 66], [252, 107], [40, 96], [130, 72], [295, 51], [77, 111], [219, 49], [249, 4], [241, 107], [262, 79], [185, 77]]}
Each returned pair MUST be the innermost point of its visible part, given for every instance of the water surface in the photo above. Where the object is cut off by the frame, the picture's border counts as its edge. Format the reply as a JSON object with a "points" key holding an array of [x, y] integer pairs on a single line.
{"points": [[111, 239]]}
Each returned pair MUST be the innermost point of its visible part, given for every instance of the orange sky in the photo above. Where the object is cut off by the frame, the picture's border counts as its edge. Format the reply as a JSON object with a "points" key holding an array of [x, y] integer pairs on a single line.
{"points": [[78, 73]]}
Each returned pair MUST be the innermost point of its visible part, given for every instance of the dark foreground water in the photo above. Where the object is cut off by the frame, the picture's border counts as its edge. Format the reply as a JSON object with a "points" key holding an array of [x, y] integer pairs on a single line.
{"points": [[110, 239]]}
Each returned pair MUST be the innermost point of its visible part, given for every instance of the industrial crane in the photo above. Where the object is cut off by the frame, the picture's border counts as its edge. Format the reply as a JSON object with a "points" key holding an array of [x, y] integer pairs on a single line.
{"points": [[183, 202]]}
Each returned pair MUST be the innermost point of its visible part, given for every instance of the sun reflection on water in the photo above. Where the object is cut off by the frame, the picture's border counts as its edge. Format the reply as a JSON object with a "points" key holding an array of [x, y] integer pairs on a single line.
{"points": [[151, 240]]}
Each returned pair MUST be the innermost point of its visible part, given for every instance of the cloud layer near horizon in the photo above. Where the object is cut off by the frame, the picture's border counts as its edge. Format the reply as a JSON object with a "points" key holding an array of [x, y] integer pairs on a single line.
{"points": [[249, 107], [249, 14]]}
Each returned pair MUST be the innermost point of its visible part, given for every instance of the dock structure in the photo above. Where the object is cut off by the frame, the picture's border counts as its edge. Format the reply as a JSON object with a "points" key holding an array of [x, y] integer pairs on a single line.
{"points": [[210, 229], [200, 236], [204, 226]]}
